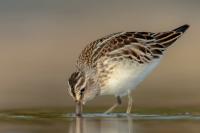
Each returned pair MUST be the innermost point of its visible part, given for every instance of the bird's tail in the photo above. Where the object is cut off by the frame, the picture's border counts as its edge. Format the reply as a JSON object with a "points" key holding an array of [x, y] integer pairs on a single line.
{"points": [[167, 38], [182, 28]]}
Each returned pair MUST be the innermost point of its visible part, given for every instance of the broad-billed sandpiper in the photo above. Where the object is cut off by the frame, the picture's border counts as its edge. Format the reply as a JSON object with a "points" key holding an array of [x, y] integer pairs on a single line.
{"points": [[117, 63]]}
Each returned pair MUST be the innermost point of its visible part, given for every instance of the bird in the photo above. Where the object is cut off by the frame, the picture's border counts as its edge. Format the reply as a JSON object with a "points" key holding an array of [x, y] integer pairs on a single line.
{"points": [[115, 64]]}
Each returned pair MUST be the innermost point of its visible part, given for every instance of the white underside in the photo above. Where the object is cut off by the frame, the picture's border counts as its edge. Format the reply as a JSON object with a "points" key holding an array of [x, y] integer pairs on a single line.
{"points": [[126, 77]]}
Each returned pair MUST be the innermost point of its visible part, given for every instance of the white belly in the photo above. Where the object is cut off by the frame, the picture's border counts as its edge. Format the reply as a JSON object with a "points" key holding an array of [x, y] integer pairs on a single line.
{"points": [[126, 76]]}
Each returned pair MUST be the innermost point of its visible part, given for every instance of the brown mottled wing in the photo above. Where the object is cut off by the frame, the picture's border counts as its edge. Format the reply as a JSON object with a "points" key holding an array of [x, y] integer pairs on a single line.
{"points": [[149, 46], [137, 46], [94, 49]]}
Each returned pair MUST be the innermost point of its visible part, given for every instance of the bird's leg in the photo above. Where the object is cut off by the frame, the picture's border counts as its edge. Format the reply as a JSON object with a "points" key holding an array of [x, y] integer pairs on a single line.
{"points": [[130, 103], [119, 101]]}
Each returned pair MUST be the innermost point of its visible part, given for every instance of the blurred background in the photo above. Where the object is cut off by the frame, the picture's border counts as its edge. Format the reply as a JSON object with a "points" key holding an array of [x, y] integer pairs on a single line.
{"points": [[41, 39]]}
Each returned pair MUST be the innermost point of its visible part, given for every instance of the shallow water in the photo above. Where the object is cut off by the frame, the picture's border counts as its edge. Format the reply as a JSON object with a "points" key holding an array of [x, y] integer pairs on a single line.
{"points": [[41, 122]]}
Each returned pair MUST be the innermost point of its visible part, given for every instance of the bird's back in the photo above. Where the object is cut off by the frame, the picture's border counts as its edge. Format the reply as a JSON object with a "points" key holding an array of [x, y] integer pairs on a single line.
{"points": [[141, 47]]}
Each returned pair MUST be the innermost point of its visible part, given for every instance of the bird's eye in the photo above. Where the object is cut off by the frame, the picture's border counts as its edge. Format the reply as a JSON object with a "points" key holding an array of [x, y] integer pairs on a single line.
{"points": [[82, 90]]}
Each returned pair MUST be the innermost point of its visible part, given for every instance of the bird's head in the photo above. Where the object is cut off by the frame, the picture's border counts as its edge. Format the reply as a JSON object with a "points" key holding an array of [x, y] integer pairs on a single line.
{"points": [[81, 88]]}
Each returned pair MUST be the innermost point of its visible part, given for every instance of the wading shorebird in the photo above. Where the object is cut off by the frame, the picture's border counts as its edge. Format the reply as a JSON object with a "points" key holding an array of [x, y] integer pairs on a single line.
{"points": [[117, 63]]}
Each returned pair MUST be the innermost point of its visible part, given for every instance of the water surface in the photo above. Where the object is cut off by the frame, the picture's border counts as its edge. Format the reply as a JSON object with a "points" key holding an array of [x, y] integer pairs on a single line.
{"points": [[51, 122]]}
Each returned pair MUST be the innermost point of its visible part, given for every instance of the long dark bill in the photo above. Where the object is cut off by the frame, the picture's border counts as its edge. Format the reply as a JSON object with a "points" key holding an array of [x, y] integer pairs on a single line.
{"points": [[79, 109]]}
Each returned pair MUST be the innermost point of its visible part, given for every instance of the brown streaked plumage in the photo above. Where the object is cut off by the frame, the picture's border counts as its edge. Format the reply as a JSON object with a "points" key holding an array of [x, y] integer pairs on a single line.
{"points": [[117, 63]]}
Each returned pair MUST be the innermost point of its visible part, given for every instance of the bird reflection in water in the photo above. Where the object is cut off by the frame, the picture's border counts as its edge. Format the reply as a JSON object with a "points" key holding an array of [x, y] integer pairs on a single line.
{"points": [[101, 125], [79, 125]]}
